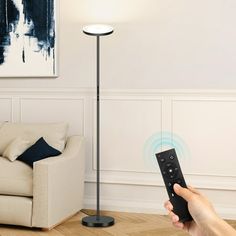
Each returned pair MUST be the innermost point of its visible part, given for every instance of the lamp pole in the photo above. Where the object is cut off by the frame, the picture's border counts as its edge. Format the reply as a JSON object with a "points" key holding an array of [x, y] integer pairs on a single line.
{"points": [[98, 220], [98, 126]]}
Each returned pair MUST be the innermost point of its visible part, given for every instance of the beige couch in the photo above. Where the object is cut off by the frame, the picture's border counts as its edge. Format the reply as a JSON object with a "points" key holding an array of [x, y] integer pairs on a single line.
{"points": [[50, 192]]}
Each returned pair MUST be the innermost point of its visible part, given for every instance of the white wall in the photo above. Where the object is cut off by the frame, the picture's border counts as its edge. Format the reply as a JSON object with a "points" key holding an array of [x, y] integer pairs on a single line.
{"points": [[168, 44], [156, 44]]}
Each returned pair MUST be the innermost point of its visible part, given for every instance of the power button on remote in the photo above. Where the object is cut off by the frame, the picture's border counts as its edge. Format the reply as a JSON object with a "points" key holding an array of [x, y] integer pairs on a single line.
{"points": [[172, 157]]}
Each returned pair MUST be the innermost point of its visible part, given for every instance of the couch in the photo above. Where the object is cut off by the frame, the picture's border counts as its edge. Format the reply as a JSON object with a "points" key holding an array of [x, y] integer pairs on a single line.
{"points": [[51, 191]]}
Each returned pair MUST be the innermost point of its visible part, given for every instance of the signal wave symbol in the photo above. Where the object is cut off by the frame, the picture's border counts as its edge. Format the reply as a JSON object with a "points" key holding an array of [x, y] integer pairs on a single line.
{"points": [[162, 141]]}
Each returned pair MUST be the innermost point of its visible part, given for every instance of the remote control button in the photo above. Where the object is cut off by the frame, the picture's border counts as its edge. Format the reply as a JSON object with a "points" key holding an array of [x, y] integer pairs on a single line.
{"points": [[172, 157], [169, 184], [171, 170], [168, 165], [162, 160]]}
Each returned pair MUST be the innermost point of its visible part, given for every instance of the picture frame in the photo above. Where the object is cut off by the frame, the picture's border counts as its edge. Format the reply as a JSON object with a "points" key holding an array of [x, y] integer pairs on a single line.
{"points": [[28, 38]]}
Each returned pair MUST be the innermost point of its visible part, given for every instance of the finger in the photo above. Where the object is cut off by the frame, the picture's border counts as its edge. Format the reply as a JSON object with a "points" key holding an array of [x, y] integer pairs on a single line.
{"points": [[178, 224], [168, 206], [183, 192], [174, 218]]}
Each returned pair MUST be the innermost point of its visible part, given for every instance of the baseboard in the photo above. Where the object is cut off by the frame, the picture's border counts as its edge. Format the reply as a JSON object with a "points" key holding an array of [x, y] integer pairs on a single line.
{"points": [[149, 207], [125, 206]]}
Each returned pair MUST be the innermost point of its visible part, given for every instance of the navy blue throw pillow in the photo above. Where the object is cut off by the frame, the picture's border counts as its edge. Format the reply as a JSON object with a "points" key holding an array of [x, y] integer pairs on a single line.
{"points": [[38, 151]]}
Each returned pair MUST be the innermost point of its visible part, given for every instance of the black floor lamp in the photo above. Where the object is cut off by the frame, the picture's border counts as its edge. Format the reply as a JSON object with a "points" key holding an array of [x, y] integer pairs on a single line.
{"points": [[98, 220]]}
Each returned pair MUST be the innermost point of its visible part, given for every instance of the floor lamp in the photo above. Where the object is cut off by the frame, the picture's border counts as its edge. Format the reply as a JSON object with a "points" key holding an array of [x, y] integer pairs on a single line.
{"points": [[98, 220]]}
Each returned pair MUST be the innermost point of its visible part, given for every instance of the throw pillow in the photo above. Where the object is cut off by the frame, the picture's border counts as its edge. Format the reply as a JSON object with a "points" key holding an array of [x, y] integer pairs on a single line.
{"points": [[38, 151], [16, 148]]}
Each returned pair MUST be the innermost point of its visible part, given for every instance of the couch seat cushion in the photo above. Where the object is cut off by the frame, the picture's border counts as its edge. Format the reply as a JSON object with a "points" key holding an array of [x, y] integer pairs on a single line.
{"points": [[16, 178]]}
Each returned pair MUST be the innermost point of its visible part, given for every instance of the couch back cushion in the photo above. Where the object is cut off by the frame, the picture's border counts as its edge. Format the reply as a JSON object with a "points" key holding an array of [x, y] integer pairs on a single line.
{"points": [[54, 134]]}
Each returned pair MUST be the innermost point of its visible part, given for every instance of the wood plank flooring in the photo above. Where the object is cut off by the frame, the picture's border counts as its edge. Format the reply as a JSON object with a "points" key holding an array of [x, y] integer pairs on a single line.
{"points": [[127, 224]]}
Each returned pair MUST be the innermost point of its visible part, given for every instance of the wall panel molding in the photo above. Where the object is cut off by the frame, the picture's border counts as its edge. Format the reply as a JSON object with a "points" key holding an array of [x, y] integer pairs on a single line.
{"points": [[210, 125], [165, 111], [7, 108], [206, 180], [123, 111]]}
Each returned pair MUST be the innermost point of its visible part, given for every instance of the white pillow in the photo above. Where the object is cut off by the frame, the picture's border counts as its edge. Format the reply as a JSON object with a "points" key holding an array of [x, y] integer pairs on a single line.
{"points": [[16, 148]]}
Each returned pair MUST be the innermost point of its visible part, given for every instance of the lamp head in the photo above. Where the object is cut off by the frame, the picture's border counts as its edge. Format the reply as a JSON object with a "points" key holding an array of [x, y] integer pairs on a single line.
{"points": [[98, 30]]}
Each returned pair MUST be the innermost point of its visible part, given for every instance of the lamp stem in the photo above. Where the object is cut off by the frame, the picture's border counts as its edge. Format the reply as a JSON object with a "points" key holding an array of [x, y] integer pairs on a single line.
{"points": [[98, 220], [98, 126]]}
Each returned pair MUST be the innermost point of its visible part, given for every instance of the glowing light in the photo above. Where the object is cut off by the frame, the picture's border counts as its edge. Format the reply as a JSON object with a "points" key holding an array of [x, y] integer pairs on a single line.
{"points": [[98, 29]]}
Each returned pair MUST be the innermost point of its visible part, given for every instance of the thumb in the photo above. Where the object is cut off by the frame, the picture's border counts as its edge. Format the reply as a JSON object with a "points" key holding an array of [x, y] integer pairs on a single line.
{"points": [[183, 192]]}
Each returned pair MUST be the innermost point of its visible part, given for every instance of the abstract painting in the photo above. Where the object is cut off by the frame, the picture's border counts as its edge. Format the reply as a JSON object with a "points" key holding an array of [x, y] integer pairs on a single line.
{"points": [[28, 39]]}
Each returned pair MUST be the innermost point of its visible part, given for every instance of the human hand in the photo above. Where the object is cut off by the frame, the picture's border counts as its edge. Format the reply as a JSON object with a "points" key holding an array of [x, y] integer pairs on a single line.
{"points": [[200, 209]]}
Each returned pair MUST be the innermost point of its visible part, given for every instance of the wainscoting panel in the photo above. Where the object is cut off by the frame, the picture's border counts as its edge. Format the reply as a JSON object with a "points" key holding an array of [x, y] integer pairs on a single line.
{"points": [[204, 120], [6, 111], [208, 128], [201, 119], [125, 126]]}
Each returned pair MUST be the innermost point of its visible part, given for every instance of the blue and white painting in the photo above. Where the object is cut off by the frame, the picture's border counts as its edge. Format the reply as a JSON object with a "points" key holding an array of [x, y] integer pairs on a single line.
{"points": [[28, 38]]}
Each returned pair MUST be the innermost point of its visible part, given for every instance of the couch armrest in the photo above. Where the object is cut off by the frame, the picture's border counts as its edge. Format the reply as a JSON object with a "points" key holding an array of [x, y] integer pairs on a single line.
{"points": [[58, 185]]}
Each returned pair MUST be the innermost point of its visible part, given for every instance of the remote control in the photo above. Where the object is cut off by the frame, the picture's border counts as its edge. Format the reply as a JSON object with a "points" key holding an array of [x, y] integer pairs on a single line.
{"points": [[171, 173]]}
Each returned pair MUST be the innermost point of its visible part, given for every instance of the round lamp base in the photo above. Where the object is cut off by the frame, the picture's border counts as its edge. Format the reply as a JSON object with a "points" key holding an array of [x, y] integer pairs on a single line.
{"points": [[98, 221]]}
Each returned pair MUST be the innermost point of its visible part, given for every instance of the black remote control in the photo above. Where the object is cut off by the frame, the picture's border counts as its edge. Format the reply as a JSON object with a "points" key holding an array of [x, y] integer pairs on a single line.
{"points": [[171, 173]]}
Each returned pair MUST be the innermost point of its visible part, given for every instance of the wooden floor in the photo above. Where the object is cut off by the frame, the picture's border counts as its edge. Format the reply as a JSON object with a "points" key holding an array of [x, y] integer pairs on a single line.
{"points": [[127, 224]]}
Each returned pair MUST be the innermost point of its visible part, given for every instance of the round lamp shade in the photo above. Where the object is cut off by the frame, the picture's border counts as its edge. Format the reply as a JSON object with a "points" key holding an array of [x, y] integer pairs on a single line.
{"points": [[98, 30]]}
